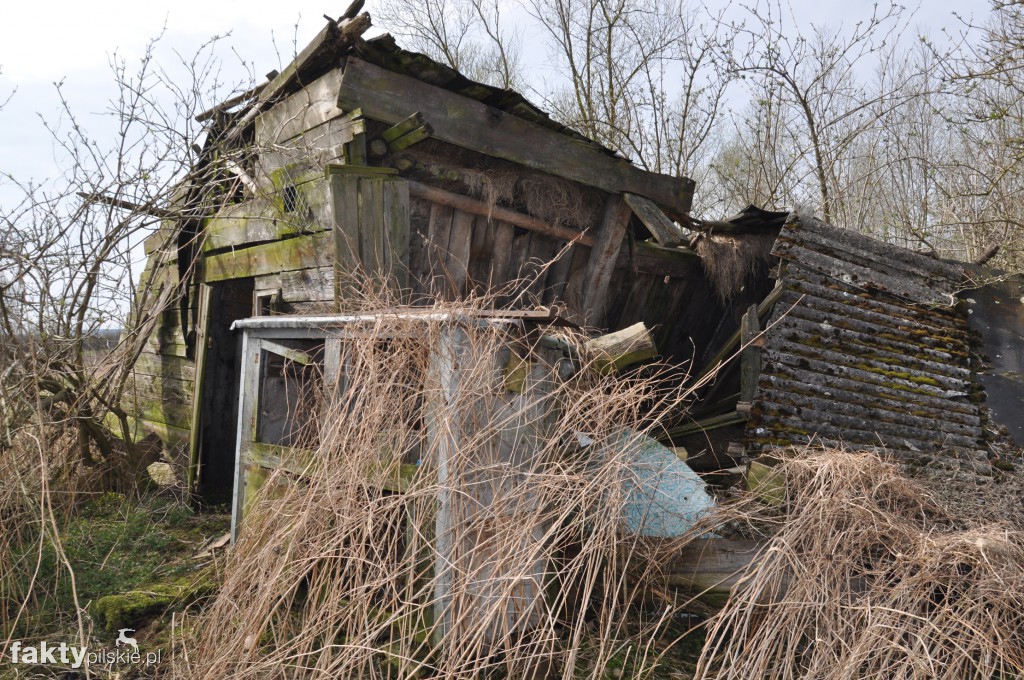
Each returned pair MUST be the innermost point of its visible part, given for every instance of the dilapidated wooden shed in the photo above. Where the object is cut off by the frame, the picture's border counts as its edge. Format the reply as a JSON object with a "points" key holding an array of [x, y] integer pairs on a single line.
{"points": [[364, 166], [362, 162]]}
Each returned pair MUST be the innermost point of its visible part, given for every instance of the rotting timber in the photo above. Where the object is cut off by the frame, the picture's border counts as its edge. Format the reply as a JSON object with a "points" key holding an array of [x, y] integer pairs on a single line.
{"points": [[364, 162]]}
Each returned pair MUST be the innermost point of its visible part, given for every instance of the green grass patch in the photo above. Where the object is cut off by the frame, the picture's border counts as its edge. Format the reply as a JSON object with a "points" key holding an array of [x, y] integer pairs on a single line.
{"points": [[116, 546]]}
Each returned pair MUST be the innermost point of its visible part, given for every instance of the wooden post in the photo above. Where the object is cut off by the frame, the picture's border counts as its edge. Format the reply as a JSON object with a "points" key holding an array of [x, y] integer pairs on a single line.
{"points": [[248, 403], [750, 360], [202, 347], [441, 439], [603, 256]]}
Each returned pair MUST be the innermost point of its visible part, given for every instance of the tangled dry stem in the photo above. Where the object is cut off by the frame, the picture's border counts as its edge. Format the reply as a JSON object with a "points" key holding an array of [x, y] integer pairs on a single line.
{"points": [[864, 577], [499, 556]]}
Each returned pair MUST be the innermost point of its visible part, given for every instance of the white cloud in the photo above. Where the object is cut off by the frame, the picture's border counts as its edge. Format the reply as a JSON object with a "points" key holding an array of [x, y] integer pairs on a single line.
{"points": [[68, 38]]}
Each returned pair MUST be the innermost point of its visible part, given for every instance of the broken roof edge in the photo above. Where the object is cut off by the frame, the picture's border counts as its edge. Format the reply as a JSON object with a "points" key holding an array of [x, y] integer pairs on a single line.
{"points": [[340, 42]]}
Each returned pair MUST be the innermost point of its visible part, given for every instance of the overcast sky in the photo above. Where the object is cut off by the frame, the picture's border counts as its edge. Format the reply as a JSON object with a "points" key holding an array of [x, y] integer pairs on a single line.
{"points": [[73, 41]]}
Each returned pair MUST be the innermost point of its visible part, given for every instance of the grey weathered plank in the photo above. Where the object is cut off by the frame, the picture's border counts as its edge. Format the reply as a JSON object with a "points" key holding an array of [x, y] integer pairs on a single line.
{"points": [[301, 252], [603, 257], [391, 98], [750, 359], [165, 367], [345, 206], [303, 285], [664, 230], [306, 154], [518, 270], [459, 246], [265, 219], [558, 277], [396, 221], [542, 254], [504, 235], [371, 226], [481, 252], [438, 236], [313, 105]]}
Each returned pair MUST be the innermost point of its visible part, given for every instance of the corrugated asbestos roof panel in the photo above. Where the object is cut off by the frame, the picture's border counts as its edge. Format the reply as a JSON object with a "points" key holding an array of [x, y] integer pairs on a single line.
{"points": [[866, 347]]}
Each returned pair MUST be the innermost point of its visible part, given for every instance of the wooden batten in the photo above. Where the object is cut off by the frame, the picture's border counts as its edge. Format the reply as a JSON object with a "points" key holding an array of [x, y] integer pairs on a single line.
{"points": [[308, 108], [497, 213], [664, 230]]}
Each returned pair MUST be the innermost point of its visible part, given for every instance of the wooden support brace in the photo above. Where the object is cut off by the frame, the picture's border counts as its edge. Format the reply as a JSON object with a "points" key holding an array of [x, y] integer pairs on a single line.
{"points": [[665, 231], [403, 128], [603, 256], [750, 359], [413, 137]]}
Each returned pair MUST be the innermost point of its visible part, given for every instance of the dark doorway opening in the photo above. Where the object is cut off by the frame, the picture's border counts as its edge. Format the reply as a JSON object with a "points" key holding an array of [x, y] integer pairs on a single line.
{"points": [[228, 301]]}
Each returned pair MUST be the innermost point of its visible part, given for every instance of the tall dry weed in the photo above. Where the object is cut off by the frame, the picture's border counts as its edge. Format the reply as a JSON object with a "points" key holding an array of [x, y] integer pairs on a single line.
{"points": [[497, 558], [862, 576]]}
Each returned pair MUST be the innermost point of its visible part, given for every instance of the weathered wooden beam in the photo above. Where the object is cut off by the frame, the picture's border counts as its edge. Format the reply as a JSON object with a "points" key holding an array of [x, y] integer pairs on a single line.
{"points": [[391, 98], [708, 568], [615, 351], [313, 105], [293, 355], [603, 256], [228, 103], [497, 213], [301, 252], [403, 127], [664, 230], [414, 137]]}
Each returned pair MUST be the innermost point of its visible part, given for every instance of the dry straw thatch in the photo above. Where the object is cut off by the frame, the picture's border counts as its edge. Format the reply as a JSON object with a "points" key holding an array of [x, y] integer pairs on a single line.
{"points": [[863, 577], [731, 261]]}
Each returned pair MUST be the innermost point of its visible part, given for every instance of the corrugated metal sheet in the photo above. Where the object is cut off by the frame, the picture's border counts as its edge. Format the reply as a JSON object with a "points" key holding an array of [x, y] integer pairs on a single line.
{"points": [[866, 346]]}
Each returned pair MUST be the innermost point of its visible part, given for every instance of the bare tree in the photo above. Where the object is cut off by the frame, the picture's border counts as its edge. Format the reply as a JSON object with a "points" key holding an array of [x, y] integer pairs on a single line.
{"points": [[468, 35], [68, 246], [819, 80], [983, 183]]}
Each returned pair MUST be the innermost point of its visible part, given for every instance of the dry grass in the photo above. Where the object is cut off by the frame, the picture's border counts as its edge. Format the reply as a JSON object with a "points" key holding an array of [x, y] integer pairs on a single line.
{"points": [[864, 577], [730, 261], [498, 559]]}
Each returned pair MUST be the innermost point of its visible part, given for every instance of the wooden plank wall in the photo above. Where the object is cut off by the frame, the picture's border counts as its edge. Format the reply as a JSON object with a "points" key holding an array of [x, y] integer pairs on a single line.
{"points": [[456, 254], [282, 236], [158, 396]]}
